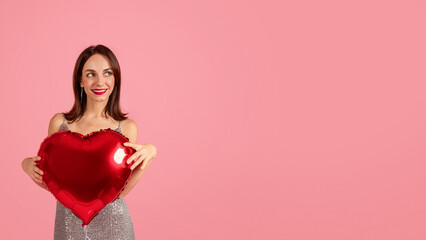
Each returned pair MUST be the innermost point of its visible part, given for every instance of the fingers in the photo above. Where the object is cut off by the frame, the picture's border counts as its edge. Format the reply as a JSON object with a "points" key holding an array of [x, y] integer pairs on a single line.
{"points": [[29, 163], [131, 158], [34, 172], [135, 164], [37, 177], [146, 162], [133, 145], [37, 174], [138, 161], [136, 155], [128, 144], [38, 170]]}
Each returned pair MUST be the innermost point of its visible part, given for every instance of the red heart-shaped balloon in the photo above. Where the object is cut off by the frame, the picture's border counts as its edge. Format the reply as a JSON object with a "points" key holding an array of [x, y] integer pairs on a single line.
{"points": [[85, 172]]}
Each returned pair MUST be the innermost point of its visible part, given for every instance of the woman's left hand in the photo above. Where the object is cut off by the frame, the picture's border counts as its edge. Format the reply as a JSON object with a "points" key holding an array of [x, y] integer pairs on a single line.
{"points": [[144, 153]]}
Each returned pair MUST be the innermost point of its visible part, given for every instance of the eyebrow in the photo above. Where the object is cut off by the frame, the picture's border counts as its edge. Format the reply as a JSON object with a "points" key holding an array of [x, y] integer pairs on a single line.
{"points": [[91, 70]]}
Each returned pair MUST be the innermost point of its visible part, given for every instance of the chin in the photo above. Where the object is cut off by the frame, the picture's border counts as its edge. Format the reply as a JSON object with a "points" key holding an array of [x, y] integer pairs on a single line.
{"points": [[100, 99]]}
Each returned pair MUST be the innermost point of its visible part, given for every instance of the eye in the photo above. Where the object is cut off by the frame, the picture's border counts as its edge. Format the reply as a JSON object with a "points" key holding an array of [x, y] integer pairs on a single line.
{"points": [[109, 73], [88, 75]]}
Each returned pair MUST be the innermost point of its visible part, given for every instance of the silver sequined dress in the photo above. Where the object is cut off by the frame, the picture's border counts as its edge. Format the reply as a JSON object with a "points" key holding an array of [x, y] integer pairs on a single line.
{"points": [[112, 223]]}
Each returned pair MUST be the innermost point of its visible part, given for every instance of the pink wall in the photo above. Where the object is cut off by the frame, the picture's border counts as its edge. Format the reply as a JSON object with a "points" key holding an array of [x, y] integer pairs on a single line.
{"points": [[297, 120]]}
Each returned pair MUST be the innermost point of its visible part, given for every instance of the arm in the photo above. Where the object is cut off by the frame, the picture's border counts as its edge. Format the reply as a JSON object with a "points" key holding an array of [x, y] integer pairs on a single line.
{"points": [[134, 179], [26, 166], [141, 159], [131, 131], [54, 125]]}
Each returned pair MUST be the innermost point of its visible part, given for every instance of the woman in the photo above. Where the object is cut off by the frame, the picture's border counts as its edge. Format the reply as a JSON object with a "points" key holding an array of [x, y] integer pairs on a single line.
{"points": [[96, 83]]}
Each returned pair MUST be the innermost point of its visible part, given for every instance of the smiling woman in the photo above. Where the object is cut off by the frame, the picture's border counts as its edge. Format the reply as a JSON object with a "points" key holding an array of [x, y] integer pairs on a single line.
{"points": [[96, 85], [94, 74]]}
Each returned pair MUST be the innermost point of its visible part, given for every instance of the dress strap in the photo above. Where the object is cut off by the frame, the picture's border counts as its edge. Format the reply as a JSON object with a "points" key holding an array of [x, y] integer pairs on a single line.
{"points": [[118, 129], [63, 126]]}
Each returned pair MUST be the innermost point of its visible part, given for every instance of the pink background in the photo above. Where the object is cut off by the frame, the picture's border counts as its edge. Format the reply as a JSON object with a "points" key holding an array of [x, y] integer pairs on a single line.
{"points": [[273, 119]]}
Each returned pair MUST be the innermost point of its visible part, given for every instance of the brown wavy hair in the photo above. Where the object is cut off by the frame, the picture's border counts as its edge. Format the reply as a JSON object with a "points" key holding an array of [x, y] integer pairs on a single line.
{"points": [[113, 106]]}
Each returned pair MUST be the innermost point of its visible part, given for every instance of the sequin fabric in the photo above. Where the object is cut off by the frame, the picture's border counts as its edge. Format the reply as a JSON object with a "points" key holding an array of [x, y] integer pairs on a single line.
{"points": [[112, 223]]}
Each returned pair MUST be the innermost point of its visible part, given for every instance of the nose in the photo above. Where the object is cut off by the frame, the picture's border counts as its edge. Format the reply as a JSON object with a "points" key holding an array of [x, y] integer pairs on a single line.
{"points": [[100, 81]]}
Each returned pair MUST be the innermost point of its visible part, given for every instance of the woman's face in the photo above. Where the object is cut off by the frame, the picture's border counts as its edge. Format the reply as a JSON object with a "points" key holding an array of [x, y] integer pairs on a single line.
{"points": [[97, 75]]}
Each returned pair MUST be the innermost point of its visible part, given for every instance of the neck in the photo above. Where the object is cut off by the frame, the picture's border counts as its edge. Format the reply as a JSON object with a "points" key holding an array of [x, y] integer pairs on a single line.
{"points": [[94, 109]]}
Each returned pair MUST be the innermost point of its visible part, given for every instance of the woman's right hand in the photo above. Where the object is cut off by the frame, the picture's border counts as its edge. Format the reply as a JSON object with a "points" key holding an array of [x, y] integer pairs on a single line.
{"points": [[29, 167]]}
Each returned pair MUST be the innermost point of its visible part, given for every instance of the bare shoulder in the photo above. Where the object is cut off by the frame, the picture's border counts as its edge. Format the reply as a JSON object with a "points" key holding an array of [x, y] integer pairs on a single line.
{"points": [[55, 123], [129, 128]]}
